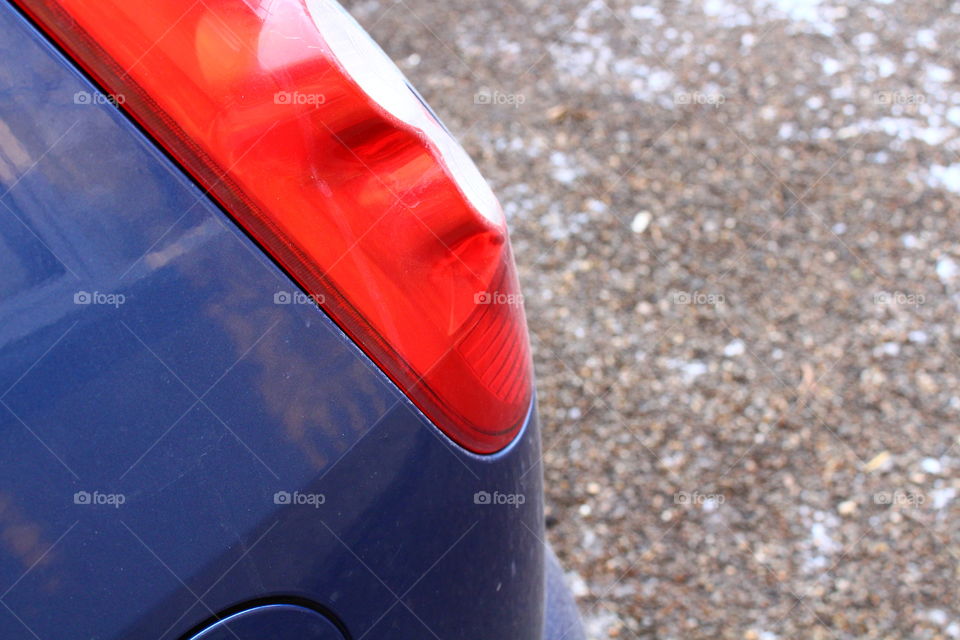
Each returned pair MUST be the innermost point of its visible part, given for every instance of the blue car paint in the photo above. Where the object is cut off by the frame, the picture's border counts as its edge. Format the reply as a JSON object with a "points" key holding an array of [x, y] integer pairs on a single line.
{"points": [[176, 439]]}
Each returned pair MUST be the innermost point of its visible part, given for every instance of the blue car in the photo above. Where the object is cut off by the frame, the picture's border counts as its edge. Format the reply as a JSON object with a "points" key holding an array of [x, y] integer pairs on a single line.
{"points": [[264, 367]]}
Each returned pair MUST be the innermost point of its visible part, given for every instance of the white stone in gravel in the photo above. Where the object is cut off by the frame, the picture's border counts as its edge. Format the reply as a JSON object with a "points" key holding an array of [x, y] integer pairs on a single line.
{"points": [[646, 13], [735, 348], [830, 66], [577, 584], [947, 177], [563, 168], [927, 38], [786, 130], [729, 14], [931, 465], [880, 462], [938, 74], [601, 625], [641, 221], [690, 371], [597, 206], [821, 539], [953, 115], [885, 67], [847, 507], [942, 497], [947, 269], [811, 13], [888, 349], [937, 617], [865, 41], [919, 337]]}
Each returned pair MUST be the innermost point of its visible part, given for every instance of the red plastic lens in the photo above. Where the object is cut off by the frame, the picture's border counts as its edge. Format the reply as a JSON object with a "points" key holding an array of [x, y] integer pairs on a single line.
{"points": [[284, 113]]}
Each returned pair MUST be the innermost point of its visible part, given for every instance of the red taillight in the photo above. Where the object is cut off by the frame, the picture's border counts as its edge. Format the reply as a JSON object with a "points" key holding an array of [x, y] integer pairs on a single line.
{"points": [[285, 113]]}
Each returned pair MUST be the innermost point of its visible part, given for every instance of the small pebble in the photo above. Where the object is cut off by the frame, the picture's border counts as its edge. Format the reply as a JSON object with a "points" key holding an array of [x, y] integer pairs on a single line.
{"points": [[641, 221], [847, 507]]}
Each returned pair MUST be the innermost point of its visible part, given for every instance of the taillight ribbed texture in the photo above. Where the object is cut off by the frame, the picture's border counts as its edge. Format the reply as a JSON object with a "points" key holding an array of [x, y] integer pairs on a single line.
{"points": [[309, 137]]}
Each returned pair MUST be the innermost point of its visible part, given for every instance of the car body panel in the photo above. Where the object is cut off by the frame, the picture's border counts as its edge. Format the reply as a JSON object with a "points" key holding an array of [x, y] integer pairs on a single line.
{"points": [[181, 432]]}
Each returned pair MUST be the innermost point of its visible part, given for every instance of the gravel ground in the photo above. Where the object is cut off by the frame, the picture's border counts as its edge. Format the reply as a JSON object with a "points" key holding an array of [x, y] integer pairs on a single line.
{"points": [[738, 231]]}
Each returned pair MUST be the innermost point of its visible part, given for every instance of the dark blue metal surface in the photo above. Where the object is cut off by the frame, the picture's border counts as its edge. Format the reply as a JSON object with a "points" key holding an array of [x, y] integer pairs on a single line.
{"points": [[175, 440]]}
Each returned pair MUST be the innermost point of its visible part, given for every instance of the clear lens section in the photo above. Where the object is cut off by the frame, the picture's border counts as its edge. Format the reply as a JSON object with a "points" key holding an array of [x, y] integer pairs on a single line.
{"points": [[365, 62]]}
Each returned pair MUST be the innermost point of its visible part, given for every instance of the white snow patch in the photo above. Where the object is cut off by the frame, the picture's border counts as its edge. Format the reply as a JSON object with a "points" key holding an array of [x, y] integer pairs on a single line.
{"points": [[947, 177], [931, 465], [941, 497], [947, 269], [735, 348], [689, 370], [927, 38], [646, 13], [821, 538], [600, 625], [564, 169], [830, 66], [727, 13], [810, 13]]}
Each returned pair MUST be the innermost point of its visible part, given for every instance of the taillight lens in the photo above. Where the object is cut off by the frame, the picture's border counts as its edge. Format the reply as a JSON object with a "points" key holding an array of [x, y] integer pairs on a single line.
{"points": [[308, 135]]}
